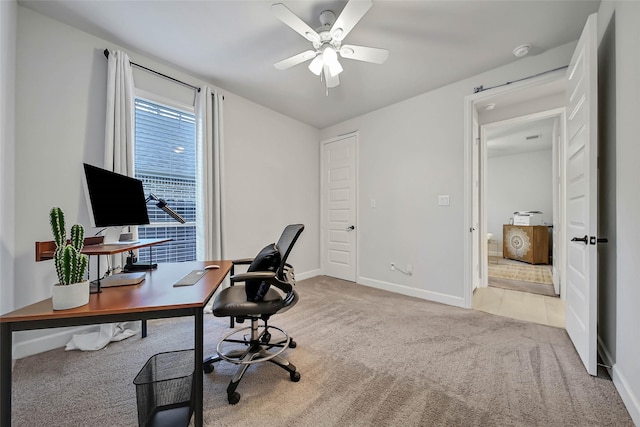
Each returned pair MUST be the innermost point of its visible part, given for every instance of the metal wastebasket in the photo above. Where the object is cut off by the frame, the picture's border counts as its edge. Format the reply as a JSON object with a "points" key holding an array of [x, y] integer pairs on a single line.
{"points": [[164, 389]]}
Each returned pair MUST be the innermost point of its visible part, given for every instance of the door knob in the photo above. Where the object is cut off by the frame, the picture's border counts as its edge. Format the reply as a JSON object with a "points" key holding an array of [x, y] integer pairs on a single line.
{"points": [[593, 240], [350, 228], [581, 239]]}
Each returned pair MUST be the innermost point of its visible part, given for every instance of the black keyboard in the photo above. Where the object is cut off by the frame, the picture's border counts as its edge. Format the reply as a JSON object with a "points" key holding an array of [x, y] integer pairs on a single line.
{"points": [[191, 278]]}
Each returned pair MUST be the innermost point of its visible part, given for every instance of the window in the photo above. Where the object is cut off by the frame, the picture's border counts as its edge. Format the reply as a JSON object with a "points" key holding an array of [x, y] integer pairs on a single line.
{"points": [[165, 162]]}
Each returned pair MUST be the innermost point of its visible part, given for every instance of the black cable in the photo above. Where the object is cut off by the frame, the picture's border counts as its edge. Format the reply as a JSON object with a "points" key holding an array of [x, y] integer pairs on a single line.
{"points": [[482, 88]]}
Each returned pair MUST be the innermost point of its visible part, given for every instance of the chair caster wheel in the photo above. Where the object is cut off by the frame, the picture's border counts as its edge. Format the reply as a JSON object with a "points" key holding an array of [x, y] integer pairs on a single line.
{"points": [[295, 376], [234, 398], [207, 368], [292, 344]]}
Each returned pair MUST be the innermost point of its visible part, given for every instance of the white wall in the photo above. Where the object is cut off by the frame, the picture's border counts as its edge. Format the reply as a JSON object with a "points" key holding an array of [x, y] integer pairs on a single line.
{"points": [[619, 211], [521, 182], [530, 106], [272, 179], [8, 23], [410, 153], [60, 113]]}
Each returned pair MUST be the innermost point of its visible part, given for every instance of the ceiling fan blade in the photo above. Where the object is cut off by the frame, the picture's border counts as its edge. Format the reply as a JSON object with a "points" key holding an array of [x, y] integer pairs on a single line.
{"points": [[363, 53], [283, 13], [295, 60], [330, 81], [349, 17]]}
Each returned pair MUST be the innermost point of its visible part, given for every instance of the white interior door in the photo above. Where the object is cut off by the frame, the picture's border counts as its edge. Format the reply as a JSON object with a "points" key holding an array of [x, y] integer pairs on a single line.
{"points": [[479, 241], [557, 191], [581, 197], [339, 228]]}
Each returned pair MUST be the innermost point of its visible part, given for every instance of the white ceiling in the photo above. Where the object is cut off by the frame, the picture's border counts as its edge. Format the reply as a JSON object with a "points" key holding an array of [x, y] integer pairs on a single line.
{"points": [[536, 135], [233, 44]]}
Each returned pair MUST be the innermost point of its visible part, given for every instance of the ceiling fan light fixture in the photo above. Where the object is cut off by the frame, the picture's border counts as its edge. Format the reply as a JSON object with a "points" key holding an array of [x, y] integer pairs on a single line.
{"points": [[335, 68], [316, 65], [330, 59], [338, 33]]}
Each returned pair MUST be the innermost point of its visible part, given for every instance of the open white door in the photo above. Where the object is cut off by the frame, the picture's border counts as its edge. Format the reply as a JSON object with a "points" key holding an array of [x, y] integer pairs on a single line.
{"points": [[581, 197]]}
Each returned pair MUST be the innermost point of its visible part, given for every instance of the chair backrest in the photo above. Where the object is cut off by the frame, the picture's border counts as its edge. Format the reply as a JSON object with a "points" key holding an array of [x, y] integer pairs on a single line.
{"points": [[285, 244]]}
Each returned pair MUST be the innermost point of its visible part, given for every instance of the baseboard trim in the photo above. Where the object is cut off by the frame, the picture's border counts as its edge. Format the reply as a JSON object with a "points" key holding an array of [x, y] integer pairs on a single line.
{"points": [[413, 292], [55, 339], [307, 274], [620, 382]]}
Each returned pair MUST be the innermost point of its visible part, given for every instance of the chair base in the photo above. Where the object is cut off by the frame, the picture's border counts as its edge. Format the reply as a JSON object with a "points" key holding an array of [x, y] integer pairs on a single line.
{"points": [[254, 350]]}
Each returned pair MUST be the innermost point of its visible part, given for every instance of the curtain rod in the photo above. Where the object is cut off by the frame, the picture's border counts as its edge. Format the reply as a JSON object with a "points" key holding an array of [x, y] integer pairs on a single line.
{"points": [[106, 54]]}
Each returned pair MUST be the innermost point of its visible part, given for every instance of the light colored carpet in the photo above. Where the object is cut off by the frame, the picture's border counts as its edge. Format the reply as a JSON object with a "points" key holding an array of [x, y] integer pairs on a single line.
{"points": [[367, 358]]}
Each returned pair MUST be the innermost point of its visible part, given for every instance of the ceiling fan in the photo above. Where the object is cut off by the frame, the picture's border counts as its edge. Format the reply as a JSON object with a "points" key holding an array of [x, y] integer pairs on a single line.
{"points": [[327, 41]]}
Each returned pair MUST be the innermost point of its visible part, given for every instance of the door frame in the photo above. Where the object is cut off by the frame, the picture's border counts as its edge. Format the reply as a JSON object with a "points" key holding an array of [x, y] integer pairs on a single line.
{"points": [[558, 181], [323, 207], [471, 104]]}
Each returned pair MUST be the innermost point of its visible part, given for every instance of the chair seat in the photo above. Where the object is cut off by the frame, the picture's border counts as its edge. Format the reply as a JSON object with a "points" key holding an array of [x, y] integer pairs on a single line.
{"points": [[233, 302]]}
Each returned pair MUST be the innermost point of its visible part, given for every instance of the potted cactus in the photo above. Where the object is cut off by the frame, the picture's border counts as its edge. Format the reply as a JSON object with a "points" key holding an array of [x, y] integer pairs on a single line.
{"points": [[72, 289]]}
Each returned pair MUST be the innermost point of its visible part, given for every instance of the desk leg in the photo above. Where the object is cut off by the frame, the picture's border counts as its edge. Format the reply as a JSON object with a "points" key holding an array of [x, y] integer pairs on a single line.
{"points": [[5, 373], [199, 355]]}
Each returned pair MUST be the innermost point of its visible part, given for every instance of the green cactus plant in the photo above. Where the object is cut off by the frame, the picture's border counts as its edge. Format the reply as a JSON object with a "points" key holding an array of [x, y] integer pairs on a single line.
{"points": [[71, 264]]}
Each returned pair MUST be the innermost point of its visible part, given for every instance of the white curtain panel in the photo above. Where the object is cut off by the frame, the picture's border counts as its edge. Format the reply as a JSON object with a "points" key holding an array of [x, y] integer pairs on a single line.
{"points": [[210, 155], [119, 132], [119, 127], [118, 157]]}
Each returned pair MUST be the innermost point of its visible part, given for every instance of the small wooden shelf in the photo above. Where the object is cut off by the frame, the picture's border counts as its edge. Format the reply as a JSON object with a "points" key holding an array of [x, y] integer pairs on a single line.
{"points": [[96, 246], [45, 250]]}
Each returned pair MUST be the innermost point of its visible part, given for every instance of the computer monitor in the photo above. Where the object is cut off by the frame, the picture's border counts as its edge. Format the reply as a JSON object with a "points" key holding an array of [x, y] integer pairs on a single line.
{"points": [[114, 200]]}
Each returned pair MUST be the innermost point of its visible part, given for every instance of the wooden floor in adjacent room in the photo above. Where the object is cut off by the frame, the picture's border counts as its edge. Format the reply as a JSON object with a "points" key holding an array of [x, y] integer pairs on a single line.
{"points": [[545, 310]]}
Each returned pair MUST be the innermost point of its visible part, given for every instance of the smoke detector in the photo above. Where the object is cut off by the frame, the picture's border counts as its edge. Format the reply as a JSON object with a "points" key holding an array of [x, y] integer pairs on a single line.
{"points": [[522, 50]]}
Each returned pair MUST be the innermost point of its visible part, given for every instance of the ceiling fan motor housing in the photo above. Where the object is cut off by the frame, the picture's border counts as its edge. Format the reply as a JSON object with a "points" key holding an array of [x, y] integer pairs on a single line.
{"points": [[327, 18]]}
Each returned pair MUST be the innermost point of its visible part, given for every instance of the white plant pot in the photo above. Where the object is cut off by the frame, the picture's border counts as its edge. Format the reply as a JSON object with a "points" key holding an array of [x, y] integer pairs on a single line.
{"points": [[70, 296]]}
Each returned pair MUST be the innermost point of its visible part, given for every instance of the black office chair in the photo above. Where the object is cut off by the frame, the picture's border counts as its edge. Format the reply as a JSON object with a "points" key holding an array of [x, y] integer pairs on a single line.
{"points": [[268, 288]]}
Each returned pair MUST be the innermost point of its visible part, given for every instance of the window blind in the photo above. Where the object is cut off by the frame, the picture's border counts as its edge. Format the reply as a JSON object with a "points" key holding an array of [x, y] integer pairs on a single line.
{"points": [[165, 162]]}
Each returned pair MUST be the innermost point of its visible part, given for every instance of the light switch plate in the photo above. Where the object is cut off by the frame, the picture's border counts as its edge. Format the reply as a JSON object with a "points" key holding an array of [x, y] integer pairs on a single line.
{"points": [[443, 200]]}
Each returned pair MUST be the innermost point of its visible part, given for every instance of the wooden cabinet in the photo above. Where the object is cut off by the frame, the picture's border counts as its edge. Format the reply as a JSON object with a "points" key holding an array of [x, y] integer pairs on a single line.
{"points": [[528, 243]]}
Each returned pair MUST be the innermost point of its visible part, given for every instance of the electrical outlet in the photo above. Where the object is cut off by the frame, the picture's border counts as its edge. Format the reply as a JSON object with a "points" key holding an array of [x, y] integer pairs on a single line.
{"points": [[443, 200], [372, 203], [392, 266]]}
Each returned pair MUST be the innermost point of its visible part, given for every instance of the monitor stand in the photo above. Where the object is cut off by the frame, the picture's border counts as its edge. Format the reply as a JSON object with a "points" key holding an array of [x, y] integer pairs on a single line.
{"points": [[139, 266], [133, 265]]}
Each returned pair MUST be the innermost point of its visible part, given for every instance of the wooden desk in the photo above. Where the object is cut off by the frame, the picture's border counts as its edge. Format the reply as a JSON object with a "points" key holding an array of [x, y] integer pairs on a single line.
{"points": [[152, 299]]}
